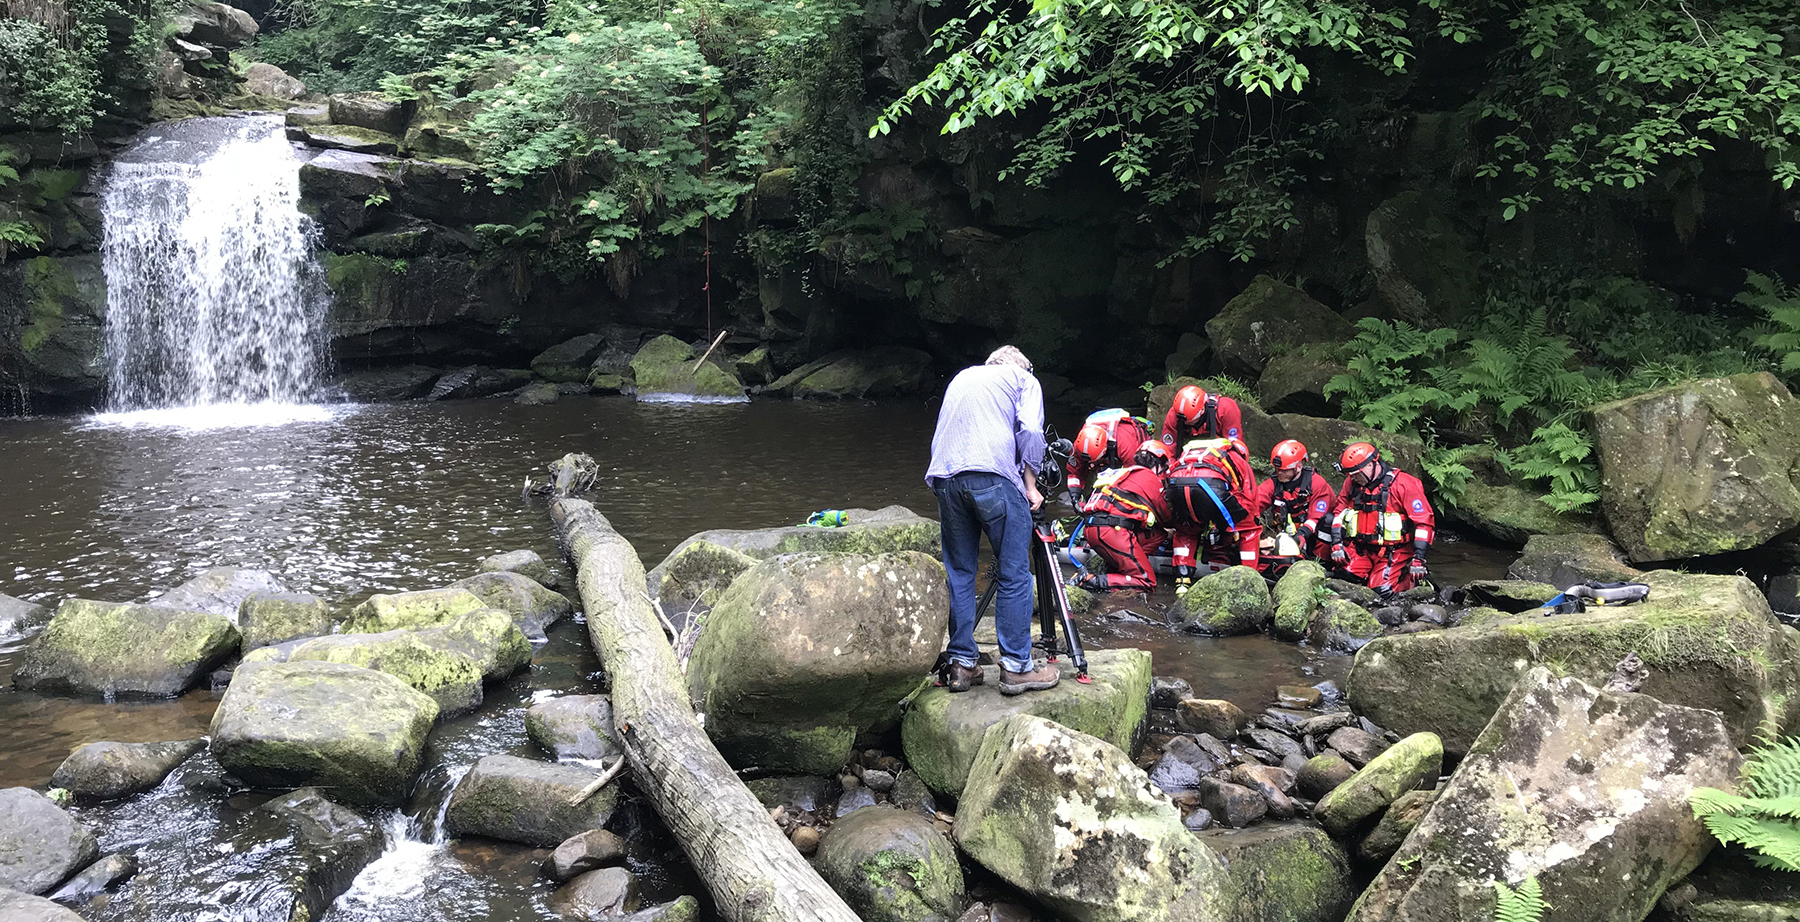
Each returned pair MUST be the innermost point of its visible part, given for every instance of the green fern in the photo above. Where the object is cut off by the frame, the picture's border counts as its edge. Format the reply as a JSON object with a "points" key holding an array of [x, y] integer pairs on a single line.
{"points": [[1445, 469], [1525, 904], [1765, 818], [1781, 304], [1384, 384], [1562, 459]]}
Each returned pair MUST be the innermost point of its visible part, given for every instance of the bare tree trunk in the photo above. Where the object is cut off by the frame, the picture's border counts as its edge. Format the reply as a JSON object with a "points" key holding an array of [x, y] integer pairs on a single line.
{"points": [[754, 873]]}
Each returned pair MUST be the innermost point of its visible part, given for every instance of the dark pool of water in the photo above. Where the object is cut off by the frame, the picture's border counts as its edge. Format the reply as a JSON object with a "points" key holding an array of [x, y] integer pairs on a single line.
{"points": [[358, 500]]}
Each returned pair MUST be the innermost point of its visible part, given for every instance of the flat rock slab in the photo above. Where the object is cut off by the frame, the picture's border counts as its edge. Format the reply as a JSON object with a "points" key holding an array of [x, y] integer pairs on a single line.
{"points": [[426, 608], [867, 531], [103, 771], [942, 731], [521, 800], [1585, 790], [219, 591], [40, 843], [110, 648]]}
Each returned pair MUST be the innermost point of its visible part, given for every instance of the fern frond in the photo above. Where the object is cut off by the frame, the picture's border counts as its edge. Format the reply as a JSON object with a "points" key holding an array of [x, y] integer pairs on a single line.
{"points": [[1765, 818], [1526, 904]]}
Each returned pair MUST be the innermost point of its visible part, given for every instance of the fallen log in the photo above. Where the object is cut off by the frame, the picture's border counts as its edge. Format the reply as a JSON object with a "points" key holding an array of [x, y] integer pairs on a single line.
{"points": [[753, 872]]}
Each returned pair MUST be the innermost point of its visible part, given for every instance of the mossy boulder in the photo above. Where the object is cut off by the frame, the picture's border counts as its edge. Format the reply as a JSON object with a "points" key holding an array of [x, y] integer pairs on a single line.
{"points": [[1413, 763], [1234, 600], [941, 731], [452, 679], [1067, 818], [697, 571], [805, 650], [267, 618], [109, 648], [1422, 261], [1269, 317], [887, 530], [1297, 596], [489, 636], [1564, 560], [882, 371], [1294, 380], [426, 608], [357, 732], [372, 111], [1512, 513], [1397, 822], [532, 607], [892, 866], [522, 800], [1342, 626], [1707, 641], [105, 770], [573, 727], [569, 361], [1582, 789], [664, 369], [60, 304], [1282, 872], [40, 843], [1701, 468], [525, 563], [350, 138]]}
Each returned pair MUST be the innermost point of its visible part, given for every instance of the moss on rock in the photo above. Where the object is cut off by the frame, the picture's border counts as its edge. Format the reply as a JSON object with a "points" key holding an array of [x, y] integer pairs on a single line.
{"points": [[663, 367], [892, 866], [452, 679], [698, 571], [1408, 765], [426, 608], [1282, 872], [108, 648], [1297, 596], [1234, 600]]}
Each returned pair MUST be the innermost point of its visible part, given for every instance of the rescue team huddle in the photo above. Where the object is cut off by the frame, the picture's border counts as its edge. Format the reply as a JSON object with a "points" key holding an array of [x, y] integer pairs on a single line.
{"points": [[1192, 485]]}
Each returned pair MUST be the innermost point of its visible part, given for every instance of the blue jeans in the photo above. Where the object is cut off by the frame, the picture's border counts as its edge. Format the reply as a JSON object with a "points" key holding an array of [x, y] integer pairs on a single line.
{"points": [[969, 504]]}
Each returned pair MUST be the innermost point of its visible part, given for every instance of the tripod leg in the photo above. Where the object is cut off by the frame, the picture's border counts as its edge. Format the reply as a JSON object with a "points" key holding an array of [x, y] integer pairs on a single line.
{"points": [[1043, 572]]}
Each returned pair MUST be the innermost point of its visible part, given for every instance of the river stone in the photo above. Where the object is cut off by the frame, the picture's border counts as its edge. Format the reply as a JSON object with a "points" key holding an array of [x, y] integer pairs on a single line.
{"points": [[1564, 560], [803, 651], [103, 771], [1595, 791], [426, 608], [310, 849], [1297, 595], [584, 852], [1282, 872], [569, 361], [40, 843], [1298, 696], [1270, 783], [858, 374], [911, 793], [23, 907], [1067, 818], [353, 731], [1166, 692], [489, 636], [1234, 600], [1323, 773], [1273, 741], [1267, 317], [525, 563], [1232, 804], [1173, 775], [110, 648], [533, 607], [19, 617], [219, 591], [698, 571], [452, 679], [1356, 744], [265, 79], [94, 879], [522, 800], [664, 368], [206, 23], [892, 866], [890, 529], [1211, 716], [1703, 467], [268, 618], [1413, 763], [802, 792], [1396, 824], [681, 909], [367, 110], [942, 732], [1342, 626], [573, 727], [1708, 641], [604, 894]]}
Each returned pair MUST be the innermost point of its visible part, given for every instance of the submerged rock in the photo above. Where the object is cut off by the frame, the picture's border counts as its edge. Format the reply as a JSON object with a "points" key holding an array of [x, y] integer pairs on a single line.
{"points": [[806, 650], [219, 591], [608, 893], [1068, 819], [268, 618], [1234, 600], [310, 850], [1585, 790], [943, 731], [533, 608], [40, 843], [19, 617], [425, 608], [525, 563], [521, 800], [108, 648], [1282, 872], [356, 732], [892, 866], [573, 727], [103, 771]]}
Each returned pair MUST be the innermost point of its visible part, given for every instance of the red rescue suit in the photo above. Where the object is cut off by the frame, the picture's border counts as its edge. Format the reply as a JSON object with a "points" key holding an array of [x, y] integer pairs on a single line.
{"points": [[1124, 521], [1124, 433], [1211, 487], [1383, 526], [1299, 513], [1222, 419]]}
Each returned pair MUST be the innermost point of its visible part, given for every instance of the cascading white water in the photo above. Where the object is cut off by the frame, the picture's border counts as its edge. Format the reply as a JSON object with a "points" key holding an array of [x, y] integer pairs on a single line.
{"points": [[213, 293]]}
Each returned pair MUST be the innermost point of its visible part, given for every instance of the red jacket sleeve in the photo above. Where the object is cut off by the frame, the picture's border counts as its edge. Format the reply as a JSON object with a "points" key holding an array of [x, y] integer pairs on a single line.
{"points": [[1167, 433], [1130, 437], [1260, 498], [1409, 495], [1325, 504], [1231, 418]]}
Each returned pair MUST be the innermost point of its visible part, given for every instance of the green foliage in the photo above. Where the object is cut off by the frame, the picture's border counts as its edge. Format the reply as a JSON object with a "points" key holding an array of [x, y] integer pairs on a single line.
{"points": [[1765, 818], [1526, 904], [1561, 459], [14, 234], [73, 64], [1780, 304], [1387, 384], [339, 45], [1447, 470]]}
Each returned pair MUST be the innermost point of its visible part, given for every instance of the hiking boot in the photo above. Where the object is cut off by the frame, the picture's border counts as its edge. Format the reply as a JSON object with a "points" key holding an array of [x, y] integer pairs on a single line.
{"points": [[963, 678], [1015, 683]]}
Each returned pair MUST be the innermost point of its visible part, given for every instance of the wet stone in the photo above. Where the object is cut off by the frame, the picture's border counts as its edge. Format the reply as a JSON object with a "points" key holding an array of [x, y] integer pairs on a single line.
{"points": [[573, 727], [1323, 773], [911, 793], [878, 781], [1299, 696], [1284, 719], [1356, 744], [1201, 818], [40, 843], [268, 618], [585, 851], [525, 563], [1185, 749], [23, 907], [1210, 716], [1232, 804], [1395, 825], [803, 792], [854, 800], [520, 800], [1213, 746], [96, 878], [1325, 723], [1273, 741], [602, 894], [1263, 780], [106, 770], [1174, 775], [805, 839], [1166, 692]]}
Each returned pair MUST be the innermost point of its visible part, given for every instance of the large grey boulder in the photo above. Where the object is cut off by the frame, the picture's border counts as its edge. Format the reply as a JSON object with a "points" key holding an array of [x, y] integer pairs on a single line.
{"points": [[570, 361], [697, 571], [806, 650], [1700, 468], [942, 732], [268, 618], [19, 617], [533, 607], [1564, 560], [110, 648], [217, 24], [573, 727], [1706, 641], [40, 843], [881, 371], [219, 591], [1270, 317], [356, 732], [521, 800], [525, 563], [1282, 872], [23, 907], [103, 771], [867, 531], [1071, 821], [608, 893], [1583, 789], [371, 111], [892, 866], [265, 79]]}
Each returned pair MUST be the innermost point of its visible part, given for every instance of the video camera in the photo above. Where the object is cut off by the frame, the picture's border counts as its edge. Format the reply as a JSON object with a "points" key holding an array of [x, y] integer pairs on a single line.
{"points": [[1056, 459]]}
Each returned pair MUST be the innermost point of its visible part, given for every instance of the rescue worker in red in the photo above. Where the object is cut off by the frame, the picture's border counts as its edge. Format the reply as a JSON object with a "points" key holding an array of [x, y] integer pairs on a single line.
{"points": [[1125, 518], [1384, 523], [1210, 490], [1109, 439], [1195, 414], [1296, 508]]}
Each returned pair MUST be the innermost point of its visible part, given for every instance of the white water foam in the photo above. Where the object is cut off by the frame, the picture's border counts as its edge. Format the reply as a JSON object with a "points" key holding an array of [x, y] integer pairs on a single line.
{"points": [[399, 873], [220, 416]]}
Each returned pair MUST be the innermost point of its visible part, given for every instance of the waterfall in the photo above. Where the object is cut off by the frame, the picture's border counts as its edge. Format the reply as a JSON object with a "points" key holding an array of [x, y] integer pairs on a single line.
{"points": [[213, 294]]}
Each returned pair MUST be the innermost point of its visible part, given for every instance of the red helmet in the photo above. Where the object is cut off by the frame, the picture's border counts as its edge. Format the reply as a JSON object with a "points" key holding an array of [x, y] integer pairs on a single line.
{"points": [[1153, 455], [1288, 455], [1190, 403], [1090, 443], [1355, 455]]}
